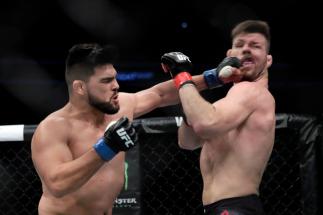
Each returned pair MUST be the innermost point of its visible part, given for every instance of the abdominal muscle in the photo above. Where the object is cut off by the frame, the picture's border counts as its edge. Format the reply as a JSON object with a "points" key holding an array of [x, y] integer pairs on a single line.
{"points": [[229, 171]]}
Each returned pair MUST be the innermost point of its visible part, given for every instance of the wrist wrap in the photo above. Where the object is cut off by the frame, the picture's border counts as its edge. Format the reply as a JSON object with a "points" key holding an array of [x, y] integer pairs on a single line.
{"points": [[182, 79], [103, 150], [212, 79]]}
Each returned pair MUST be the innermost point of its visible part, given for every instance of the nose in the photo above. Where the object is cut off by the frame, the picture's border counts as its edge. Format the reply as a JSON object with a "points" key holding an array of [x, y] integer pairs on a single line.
{"points": [[246, 49], [115, 85]]}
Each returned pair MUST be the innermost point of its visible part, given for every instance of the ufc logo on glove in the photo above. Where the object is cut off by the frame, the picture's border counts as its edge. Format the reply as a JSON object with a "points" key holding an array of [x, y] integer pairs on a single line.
{"points": [[119, 136], [182, 57], [124, 136]]}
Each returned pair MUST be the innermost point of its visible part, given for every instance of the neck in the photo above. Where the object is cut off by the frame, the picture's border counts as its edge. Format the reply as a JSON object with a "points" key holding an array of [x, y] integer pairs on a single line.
{"points": [[263, 79], [84, 111]]}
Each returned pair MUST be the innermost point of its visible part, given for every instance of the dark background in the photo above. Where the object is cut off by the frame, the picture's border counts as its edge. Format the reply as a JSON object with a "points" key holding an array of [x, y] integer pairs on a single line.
{"points": [[36, 35]]}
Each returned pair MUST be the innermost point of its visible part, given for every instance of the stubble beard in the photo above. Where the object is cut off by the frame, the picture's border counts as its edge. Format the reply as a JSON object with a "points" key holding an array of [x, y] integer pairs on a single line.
{"points": [[104, 107]]}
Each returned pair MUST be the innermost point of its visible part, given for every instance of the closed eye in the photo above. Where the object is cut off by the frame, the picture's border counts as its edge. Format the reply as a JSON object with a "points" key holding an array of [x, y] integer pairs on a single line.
{"points": [[238, 45], [107, 80]]}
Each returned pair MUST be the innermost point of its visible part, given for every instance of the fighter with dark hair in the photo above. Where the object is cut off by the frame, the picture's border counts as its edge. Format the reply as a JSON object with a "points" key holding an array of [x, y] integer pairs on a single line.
{"points": [[236, 133]]}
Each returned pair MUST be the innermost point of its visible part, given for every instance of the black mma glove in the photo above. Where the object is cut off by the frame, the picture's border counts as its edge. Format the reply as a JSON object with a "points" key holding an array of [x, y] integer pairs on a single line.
{"points": [[119, 136], [213, 77], [179, 66]]}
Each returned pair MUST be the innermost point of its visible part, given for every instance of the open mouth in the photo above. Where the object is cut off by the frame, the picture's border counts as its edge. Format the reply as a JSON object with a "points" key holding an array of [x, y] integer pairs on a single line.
{"points": [[247, 61], [115, 97]]}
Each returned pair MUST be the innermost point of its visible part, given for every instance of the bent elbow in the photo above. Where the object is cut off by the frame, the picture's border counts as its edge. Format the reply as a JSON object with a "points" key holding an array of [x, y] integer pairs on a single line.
{"points": [[56, 187], [57, 191], [200, 128], [189, 147], [184, 146]]}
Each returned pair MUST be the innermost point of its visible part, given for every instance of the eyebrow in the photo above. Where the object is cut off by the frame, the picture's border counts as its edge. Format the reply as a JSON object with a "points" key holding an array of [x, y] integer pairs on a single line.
{"points": [[244, 41]]}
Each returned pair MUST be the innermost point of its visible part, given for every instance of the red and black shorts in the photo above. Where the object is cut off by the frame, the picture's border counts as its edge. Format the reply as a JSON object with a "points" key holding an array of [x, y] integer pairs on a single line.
{"points": [[244, 205]]}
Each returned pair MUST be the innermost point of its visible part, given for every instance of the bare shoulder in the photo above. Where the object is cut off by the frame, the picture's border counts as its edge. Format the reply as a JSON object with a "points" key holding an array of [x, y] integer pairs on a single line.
{"points": [[127, 102], [246, 87], [253, 93], [55, 121], [126, 97], [261, 105], [54, 126]]}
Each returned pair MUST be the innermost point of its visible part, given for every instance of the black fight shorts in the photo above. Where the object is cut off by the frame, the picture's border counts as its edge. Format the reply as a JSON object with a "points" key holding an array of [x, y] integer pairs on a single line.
{"points": [[244, 205]]}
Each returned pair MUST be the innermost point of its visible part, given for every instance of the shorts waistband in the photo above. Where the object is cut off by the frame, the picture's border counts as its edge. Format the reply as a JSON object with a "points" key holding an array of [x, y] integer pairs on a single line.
{"points": [[233, 199]]}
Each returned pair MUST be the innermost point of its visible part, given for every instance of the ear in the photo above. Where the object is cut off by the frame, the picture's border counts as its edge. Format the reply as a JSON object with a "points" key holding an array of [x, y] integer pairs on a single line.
{"points": [[269, 60], [229, 52], [79, 87]]}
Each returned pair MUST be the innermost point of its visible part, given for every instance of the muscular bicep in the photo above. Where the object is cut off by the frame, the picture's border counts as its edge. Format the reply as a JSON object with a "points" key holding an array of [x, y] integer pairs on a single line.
{"points": [[231, 111], [49, 148]]}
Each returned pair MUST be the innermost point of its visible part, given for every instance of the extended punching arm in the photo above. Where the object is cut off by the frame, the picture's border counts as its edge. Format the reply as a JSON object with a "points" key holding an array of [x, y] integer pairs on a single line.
{"points": [[179, 67]]}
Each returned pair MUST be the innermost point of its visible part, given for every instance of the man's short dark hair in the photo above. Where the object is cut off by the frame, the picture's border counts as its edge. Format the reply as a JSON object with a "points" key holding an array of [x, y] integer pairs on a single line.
{"points": [[252, 26], [83, 58]]}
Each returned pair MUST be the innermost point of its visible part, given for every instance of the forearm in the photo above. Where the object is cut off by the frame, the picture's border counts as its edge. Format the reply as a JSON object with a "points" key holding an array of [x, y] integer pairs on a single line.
{"points": [[199, 82], [169, 94], [70, 176], [199, 112]]}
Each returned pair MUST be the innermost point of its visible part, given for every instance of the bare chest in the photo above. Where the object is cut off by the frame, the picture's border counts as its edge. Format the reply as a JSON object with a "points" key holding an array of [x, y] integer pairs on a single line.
{"points": [[107, 182], [81, 140]]}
